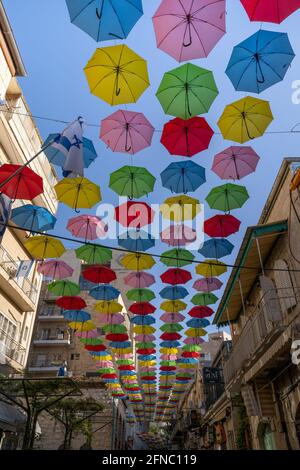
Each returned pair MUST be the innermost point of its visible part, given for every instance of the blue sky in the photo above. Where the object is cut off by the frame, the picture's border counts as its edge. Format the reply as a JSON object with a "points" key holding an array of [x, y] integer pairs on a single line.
{"points": [[55, 53]]}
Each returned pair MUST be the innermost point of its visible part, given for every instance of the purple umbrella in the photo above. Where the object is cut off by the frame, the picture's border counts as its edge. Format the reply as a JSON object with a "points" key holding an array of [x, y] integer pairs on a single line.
{"points": [[170, 317], [235, 162], [207, 284], [189, 29], [111, 319], [197, 340]]}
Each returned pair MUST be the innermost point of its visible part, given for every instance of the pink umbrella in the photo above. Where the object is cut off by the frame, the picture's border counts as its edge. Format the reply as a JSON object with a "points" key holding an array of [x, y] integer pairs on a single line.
{"points": [[87, 334], [105, 364], [126, 131], [168, 357], [178, 235], [55, 269], [145, 338], [111, 319], [124, 356], [189, 29], [139, 279], [193, 341], [88, 227], [235, 162], [170, 317], [207, 284]]}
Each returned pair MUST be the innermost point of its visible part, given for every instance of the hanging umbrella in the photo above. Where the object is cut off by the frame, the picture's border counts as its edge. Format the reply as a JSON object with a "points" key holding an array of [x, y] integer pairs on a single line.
{"points": [[216, 248], [134, 214], [186, 137], [170, 336], [260, 61], [227, 197], [137, 261], [221, 226], [187, 91], [147, 345], [180, 208], [174, 293], [42, 246], [142, 308], [117, 329], [111, 319], [117, 75], [245, 119], [71, 303], [33, 218], [191, 348], [143, 330], [126, 132], [177, 257], [87, 334], [132, 181], [200, 312], [108, 307], [171, 327], [136, 240], [140, 295], [55, 269], [207, 284], [86, 326], [178, 235], [139, 279], [88, 227], [198, 323], [204, 299], [176, 276], [104, 292], [169, 317], [273, 11], [173, 306], [78, 193], [190, 340], [91, 341], [117, 338], [76, 315], [93, 254], [145, 338], [143, 320], [26, 184], [99, 274], [234, 163], [105, 20], [211, 267], [195, 332], [183, 177]]}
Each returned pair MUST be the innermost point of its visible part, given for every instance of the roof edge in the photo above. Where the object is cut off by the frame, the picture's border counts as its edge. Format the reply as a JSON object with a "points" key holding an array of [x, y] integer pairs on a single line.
{"points": [[11, 42]]}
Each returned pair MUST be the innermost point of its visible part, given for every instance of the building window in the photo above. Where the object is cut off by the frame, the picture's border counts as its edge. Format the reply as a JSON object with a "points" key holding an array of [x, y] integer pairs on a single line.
{"points": [[284, 285], [25, 334], [75, 357]]}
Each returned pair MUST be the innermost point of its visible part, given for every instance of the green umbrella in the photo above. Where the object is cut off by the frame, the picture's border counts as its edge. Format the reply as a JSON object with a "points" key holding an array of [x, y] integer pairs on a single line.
{"points": [[227, 197], [184, 374], [124, 362], [140, 295], [116, 329], [177, 257], [145, 345], [204, 299], [187, 91], [168, 363], [132, 181], [171, 327], [62, 288], [93, 254], [192, 348], [91, 341], [106, 370]]}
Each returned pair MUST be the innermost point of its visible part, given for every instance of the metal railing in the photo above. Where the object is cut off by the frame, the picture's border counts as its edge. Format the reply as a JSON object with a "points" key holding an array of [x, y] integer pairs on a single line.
{"points": [[10, 349]]}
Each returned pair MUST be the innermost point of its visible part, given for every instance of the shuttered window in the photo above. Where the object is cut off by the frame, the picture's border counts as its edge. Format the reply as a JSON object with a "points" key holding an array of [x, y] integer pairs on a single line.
{"points": [[284, 285]]}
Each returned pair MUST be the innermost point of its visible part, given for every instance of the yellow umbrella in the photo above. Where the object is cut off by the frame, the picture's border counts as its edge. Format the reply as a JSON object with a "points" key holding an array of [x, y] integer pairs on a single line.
{"points": [[180, 208], [186, 366], [147, 363], [245, 119], [117, 75], [108, 357], [42, 246], [121, 350], [137, 262], [107, 307], [211, 268], [173, 306], [143, 329], [78, 193], [113, 385], [195, 332], [170, 351], [82, 326]]}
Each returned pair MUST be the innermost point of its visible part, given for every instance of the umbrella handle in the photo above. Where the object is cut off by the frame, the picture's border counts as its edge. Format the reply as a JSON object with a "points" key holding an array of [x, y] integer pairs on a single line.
{"points": [[259, 71], [187, 44]]}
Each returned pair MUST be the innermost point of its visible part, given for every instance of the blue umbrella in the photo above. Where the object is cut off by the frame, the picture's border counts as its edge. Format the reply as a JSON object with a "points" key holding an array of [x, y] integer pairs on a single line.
{"points": [[174, 293], [136, 240], [111, 381], [260, 61], [33, 218], [167, 372], [105, 20], [187, 360], [76, 315], [120, 344], [198, 323], [57, 157], [127, 372], [216, 248], [98, 353], [104, 292], [147, 357], [169, 344], [183, 177], [143, 320]]}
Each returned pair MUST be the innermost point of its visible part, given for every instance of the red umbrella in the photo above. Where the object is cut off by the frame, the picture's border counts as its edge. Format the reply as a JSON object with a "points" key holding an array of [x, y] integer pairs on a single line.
{"points": [[221, 225], [119, 337], [149, 377], [109, 376], [95, 347], [134, 214], [176, 276], [190, 354], [170, 336], [126, 367], [184, 379], [142, 308], [145, 351], [188, 137], [167, 368], [25, 185], [99, 274], [272, 11], [71, 303], [201, 312]]}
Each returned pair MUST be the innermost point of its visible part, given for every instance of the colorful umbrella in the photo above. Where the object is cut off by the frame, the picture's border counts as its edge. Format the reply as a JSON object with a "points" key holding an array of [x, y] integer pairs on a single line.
{"points": [[111, 319], [207, 284], [169, 317], [33, 218], [145, 338], [106, 307], [55, 269], [137, 261], [221, 226], [87, 334], [86, 326], [196, 340], [117, 75], [178, 235], [99, 274], [105, 20], [216, 248], [180, 208], [177, 257], [234, 163], [134, 214], [132, 181], [42, 246], [140, 295], [187, 91], [273, 11], [117, 329], [176, 276], [173, 306], [143, 330], [245, 119], [78, 193], [174, 293], [91, 341], [227, 197], [26, 184], [186, 137], [71, 303], [198, 323], [260, 61], [104, 292], [136, 240], [139, 279], [142, 308], [183, 177], [204, 299], [76, 315], [211, 267], [93, 254], [170, 336], [171, 327], [61, 146], [143, 320], [195, 332], [200, 312], [88, 227], [126, 132]]}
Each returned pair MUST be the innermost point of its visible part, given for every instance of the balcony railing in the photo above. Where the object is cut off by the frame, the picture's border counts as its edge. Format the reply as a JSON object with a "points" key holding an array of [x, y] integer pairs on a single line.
{"points": [[271, 316], [10, 349]]}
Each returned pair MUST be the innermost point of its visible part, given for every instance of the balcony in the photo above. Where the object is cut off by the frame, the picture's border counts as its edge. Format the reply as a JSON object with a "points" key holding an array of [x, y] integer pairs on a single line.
{"points": [[20, 290], [51, 316], [11, 351], [55, 340]]}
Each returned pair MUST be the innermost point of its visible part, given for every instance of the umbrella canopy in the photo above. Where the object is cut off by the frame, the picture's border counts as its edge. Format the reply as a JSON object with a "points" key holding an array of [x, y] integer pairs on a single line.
{"points": [[76, 315], [183, 177], [174, 293], [173, 306], [117, 75], [114, 328], [143, 320], [227, 197], [71, 303], [33, 218], [105, 20], [24, 185], [170, 336], [216, 248], [55, 269], [234, 163], [245, 119], [137, 261], [108, 307], [62, 288], [126, 132], [171, 327], [204, 299], [198, 323], [136, 240], [91, 341], [207, 284], [142, 308], [88, 227], [180, 208], [132, 181], [195, 332], [169, 317], [93, 254], [83, 327], [186, 137], [189, 30], [221, 226], [177, 257], [273, 11], [139, 279], [140, 295], [176, 276], [61, 146], [201, 312], [78, 193], [187, 91], [260, 61], [178, 235], [190, 340], [42, 246], [145, 338], [111, 319], [211, 267], [143, 330], [104, 292], [99, 274], [134, 214]]}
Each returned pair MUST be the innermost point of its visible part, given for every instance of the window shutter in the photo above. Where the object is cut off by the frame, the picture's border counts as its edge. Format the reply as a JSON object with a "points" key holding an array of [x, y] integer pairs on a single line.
{"points": [[284, 285]]}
